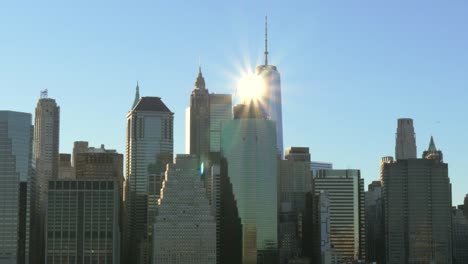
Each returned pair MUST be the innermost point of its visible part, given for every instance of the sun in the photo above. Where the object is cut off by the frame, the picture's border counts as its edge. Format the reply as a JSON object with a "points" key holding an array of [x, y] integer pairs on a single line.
{"points": [[250, 87]]}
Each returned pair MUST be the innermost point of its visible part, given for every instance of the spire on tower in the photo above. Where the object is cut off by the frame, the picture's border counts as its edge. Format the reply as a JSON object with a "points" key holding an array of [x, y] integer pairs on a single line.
{"points": [[266, 40], [200, 82], [137, 96], [432, 146]]}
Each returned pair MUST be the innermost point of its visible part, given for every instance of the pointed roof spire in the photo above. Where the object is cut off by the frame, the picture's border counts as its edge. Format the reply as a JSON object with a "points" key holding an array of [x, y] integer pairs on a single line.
{"points": [[137, 96], [432, 146], [200, 82], [266, 40]]}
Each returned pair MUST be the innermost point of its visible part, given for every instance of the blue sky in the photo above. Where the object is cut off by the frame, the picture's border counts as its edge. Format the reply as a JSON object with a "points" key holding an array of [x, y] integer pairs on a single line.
{"points": [[349, 68]]}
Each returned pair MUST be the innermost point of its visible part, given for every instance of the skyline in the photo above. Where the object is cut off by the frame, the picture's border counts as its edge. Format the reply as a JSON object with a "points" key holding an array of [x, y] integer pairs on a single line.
{"points": [[94, 58]]}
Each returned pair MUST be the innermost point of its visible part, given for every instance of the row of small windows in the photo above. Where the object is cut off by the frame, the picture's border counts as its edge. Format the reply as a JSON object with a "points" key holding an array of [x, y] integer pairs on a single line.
{"points": [[81, 185], [72, 234]]}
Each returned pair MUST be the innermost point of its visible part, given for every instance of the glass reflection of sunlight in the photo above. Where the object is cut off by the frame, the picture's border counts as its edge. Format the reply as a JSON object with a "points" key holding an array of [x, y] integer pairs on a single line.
{"points": [[250, 87]]}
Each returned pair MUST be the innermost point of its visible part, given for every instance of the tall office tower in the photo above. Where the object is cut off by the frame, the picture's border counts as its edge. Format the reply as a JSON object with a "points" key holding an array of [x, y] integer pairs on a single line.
{"points": [[83, 221], [347, 211], [417, 207], [16, 171], [405, 147], [185, 227], [46, 155], [459, 236], [150, 147], [295, 181], [375, 237], [315, 166], [200, 120], [248, 143], [66, 171], [270, 101]]}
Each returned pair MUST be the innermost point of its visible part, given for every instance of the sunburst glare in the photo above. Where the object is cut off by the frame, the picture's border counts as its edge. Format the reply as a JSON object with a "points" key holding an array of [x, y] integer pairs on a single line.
{"points": [[250, 87]]}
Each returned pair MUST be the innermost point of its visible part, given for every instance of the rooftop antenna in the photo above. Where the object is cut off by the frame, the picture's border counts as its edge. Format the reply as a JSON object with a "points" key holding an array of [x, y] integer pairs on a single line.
{"points": [[199, 64], [44, 94], [266, 40]]}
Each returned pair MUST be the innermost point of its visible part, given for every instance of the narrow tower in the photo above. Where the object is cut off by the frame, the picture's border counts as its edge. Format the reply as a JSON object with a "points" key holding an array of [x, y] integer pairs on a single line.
{"points": [[270, 100], [405, 147], [46, 154]]}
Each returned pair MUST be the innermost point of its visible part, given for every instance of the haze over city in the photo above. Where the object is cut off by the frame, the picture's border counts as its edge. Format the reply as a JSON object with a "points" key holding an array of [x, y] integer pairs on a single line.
{"points": [[233, 132]]}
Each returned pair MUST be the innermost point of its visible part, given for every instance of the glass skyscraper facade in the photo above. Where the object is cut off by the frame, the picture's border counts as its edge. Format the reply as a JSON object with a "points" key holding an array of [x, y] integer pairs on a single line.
{"points": [[16, 168], [220, 111], [270, 98], [150, 145], [249, 146]]}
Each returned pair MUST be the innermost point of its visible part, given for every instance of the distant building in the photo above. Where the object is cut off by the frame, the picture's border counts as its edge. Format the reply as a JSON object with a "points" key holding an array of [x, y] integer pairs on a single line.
{"points": [[16, 171], [248, 143], [185, 227], [375, 237], [294, 182], [347, 212], [46, 155], [315, 166], [459, 237], [90, 161], [417, 209], [83, 221], [405, 147], [149, 148], [66, 171]]}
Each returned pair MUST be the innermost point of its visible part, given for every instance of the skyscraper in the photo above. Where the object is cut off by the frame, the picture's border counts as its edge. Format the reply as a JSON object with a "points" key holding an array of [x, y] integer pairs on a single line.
{"points": [[405, 147], [16, 171], [459, 236], [248, 143], [185, 226], [220, 111], [46, 154], [295, 180], [270, 102], [83, 221], [200, 120], [150, 147], [347, 212], [417, 207], [375, 247], [204, 118]]}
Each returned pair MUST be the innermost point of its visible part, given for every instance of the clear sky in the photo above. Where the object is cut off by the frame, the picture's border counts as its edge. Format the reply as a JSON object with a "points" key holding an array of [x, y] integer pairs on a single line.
{"points": [[349, 68]]}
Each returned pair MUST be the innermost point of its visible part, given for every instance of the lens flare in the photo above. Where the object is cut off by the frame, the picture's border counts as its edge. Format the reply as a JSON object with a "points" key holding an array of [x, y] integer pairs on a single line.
{"points": [[250, 86]]}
